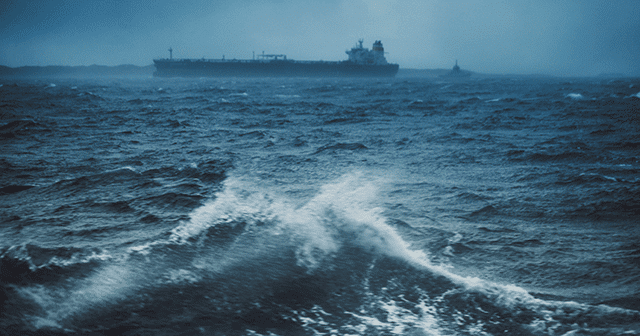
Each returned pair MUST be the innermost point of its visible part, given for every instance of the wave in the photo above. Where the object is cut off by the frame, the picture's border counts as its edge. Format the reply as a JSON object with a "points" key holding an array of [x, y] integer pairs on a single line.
{"points": [[622, 204], [16, 127], [422, 105], [188, 177], [341, 146], [12, 189], [29, 264], [252, 261], [586, 178], [575, 96], [555, 157]]}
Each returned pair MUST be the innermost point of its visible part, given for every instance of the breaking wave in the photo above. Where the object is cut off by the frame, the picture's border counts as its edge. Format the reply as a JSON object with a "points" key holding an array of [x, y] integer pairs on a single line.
{"points": [[252, 261]]}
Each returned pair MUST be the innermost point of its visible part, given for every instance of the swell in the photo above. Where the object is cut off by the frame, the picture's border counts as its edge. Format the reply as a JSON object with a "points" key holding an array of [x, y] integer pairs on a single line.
{"points": [[104, 208], [192, 254], [30, 264]]}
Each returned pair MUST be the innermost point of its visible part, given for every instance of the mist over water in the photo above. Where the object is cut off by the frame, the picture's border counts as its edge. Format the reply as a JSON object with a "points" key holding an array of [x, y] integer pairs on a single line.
{"points": [[559, 38]]}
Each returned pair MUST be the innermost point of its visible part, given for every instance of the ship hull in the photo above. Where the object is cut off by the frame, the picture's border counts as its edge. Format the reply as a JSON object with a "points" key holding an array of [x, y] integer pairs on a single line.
{"points": [[276, 68]]}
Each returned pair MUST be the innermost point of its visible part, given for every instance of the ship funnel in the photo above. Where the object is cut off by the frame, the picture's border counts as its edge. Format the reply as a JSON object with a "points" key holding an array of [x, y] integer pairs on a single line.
{"points": [[377, 46]]}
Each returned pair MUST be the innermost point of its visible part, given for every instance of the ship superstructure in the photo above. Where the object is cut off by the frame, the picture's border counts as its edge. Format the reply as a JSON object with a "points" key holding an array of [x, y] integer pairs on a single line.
{"points": [[456, 72], [361, 55], [362, 62]]}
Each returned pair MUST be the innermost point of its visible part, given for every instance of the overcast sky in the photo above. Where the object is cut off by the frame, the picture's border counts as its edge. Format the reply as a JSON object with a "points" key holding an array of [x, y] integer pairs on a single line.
{"points": [[561, 37]]}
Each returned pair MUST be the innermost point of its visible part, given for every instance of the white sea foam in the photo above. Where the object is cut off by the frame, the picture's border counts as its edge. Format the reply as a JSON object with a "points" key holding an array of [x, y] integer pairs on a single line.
{"points": [[575, 96], [236, 202], [79, 259], [283, 96], [242, 202], [107, 285], [340, 209], [181, 276]]}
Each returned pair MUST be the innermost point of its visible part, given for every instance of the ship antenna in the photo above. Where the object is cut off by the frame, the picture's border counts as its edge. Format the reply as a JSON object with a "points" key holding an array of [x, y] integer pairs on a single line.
{"points": [[170, 53]]}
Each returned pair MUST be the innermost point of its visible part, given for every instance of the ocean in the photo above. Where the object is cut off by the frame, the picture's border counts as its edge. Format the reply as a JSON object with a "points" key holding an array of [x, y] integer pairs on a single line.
{"points": [[300, 206]]}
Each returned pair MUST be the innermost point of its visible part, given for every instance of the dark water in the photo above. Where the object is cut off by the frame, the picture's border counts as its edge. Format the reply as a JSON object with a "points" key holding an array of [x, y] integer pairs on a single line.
{"points": [[505, 206]]}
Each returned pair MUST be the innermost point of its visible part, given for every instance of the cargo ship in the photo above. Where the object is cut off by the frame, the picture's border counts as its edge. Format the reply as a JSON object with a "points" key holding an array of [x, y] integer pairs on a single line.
{"points": [[362, 62]]}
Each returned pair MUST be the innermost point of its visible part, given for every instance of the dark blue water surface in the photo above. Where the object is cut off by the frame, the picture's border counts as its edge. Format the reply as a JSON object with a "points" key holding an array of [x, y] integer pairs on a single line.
{"points": [[495, 206]]}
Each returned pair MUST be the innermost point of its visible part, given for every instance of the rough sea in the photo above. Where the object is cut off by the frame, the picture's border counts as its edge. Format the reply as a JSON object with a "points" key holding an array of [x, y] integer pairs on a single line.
{"points": [[405, 206]]}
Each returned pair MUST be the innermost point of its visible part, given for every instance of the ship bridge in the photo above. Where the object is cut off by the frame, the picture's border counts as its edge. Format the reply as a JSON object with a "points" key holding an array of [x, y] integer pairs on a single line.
{"points": [[362, 55]]}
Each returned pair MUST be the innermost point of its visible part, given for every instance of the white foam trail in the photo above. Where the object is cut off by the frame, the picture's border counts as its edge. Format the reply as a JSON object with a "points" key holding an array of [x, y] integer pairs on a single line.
{"points": [[344, 207], [238, 201], [78, 259], [283, 96], [107, 285], [340, 209]]}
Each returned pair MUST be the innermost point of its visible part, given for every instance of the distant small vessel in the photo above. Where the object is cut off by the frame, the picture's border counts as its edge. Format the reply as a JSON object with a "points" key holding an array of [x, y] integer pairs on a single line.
{"points": [[457, 73], [362, 62]]}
